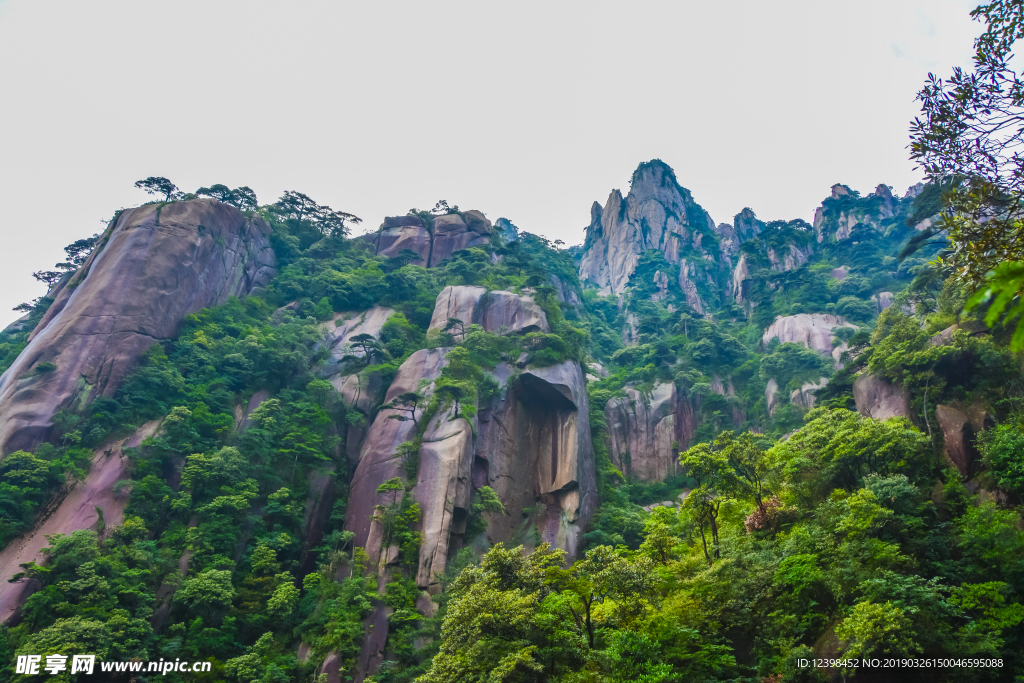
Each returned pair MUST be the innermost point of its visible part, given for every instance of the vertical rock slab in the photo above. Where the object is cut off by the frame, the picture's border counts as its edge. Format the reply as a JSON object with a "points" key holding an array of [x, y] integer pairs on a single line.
{"points": [[443, 490], [377, 463], [76, 511], [458, 301], [153, 265], [877, 397], [641, 429]]}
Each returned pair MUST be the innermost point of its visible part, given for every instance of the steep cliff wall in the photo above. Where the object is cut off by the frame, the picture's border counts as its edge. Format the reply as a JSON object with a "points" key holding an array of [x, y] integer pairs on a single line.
{"points": [[656, 214], [153, 265]]}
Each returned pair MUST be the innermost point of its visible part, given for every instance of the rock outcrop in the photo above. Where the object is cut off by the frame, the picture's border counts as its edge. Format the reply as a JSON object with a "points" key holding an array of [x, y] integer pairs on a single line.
{"points": [[771, 396], [958, 438], [359, 387], [656, 214], [153, 265], [404, 232], [80, 509], [534, 450], [377, 462], [443, 490], [642, 433], [877, 397], [804, 396], [453, 232], [498, 311], [434, 243], [843, 211], [813, 330]]}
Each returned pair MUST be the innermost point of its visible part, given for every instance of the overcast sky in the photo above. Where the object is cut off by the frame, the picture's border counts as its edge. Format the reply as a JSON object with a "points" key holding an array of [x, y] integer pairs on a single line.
{"points": [[529, 110]]}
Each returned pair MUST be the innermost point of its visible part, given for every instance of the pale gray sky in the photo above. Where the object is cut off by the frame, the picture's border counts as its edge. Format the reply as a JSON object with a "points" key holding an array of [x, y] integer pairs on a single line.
{"points": [[530, 110]]}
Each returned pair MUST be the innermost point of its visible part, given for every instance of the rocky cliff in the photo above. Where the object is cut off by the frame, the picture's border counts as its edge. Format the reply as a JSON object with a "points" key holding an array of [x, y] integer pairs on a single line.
{"points": [[435, 238], [153, 265], [656, 214]]}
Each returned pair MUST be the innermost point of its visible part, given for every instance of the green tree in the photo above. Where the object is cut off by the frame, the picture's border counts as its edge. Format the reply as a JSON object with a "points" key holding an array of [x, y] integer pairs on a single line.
{"points": [[159, 186]]}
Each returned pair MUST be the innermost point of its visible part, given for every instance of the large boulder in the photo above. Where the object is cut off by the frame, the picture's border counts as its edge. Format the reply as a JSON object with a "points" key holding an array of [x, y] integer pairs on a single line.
{"points": [[452, 233], [377, 462], [404, 232], [153, 265], [642, 432], [877, 397], [511, 312], [80, 509], [458, 301], [813, 330]]}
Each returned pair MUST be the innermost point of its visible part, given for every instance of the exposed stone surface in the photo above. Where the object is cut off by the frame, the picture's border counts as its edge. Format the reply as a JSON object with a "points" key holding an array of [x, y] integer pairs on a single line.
{"points": [[404, 232], [534, 449], [879, 398], [443, 490], [804, 396], [813, 330], [883, 300], [661, 282], [376, 460], [740, 274], [510, 312], [76, 511], [506, 230], [458, 301], [358, 389], [154, 264], [641, 430], [840, 273], [771, 396], [687, 271], [656, 214], [958, 437], [565, 291], [452, 233]]}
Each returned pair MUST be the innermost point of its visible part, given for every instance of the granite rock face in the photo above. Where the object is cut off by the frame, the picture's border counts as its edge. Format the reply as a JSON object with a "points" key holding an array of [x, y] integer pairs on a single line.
{"points": [[435, 243], [534, 450], [377, 463], [813, 330], [78, 510], [404, 232], [359, 387], [642, 431], [497, 311], [879, 398], [804, 396], [443, 490], [452, 232], [656, 214], [833, 222], [958, 438], [153, 265]]}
